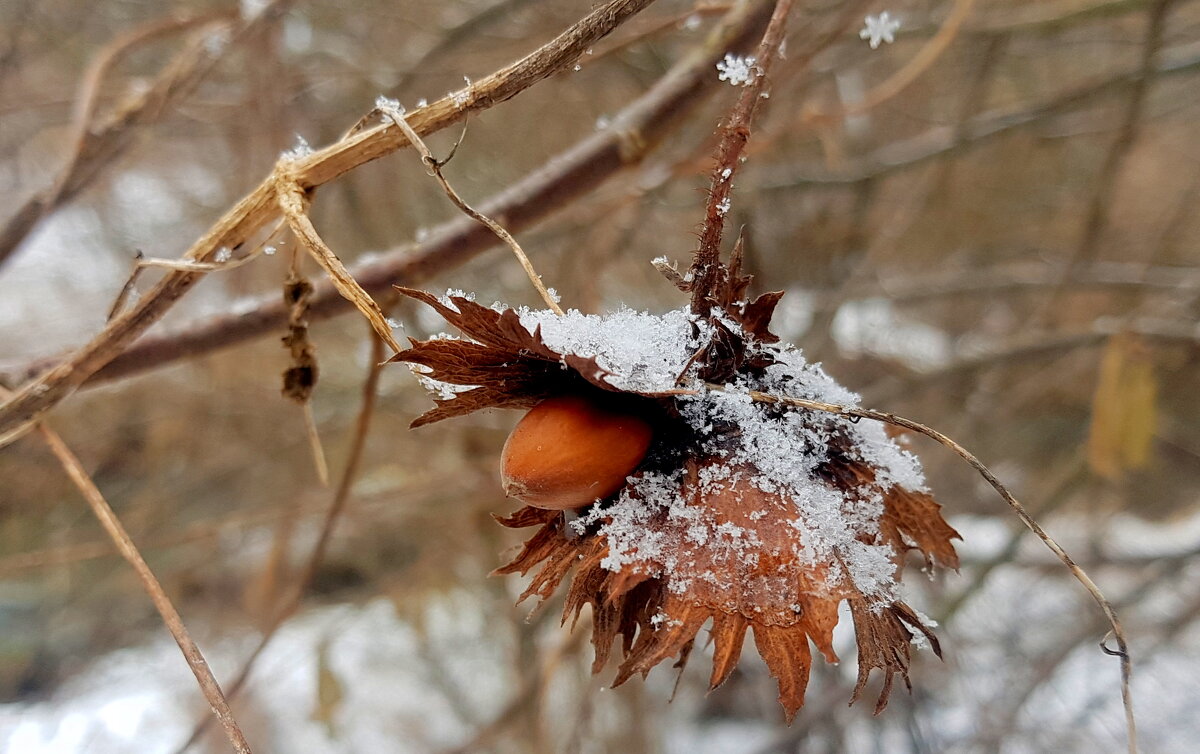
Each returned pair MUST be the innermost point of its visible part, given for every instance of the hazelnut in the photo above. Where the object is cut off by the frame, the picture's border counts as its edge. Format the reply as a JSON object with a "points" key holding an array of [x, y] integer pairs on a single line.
{"points": [[570, 451]]}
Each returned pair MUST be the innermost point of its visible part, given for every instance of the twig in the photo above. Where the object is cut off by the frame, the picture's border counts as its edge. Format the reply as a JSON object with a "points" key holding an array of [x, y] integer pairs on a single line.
{"points": [[941, 141], [292, 203], [901, 79], [171, 618], [1105, 184], [291, 601], [734, 136], [1118, 632], [553, 185], [96, 146], [392, 110], [248, 216]]}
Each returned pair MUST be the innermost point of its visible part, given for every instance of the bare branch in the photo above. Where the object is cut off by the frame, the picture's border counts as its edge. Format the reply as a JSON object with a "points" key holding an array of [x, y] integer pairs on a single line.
{"points": [[434, 166], [95, 146], [633, 133], [260, 207], [171, 618]]}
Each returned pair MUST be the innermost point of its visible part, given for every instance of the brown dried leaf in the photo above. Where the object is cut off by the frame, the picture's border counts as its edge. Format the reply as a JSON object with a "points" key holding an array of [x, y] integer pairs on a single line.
{"points": [[885, 642], [728, 634], [1124, 408], [918, 519], [786, 653]]}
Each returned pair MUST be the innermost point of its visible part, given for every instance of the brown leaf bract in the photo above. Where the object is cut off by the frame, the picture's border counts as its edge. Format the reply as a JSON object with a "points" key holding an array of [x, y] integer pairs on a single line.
{"points": [[761, 580], [504, 364]]}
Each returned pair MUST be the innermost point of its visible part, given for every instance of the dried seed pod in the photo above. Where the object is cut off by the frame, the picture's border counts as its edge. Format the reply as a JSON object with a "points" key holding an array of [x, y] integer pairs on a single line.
{"points": [[569, 451]]}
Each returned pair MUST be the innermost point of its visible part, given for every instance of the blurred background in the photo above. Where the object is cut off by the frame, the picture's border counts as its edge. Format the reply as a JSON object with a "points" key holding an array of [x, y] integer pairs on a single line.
{"points": [[1006, 250]]}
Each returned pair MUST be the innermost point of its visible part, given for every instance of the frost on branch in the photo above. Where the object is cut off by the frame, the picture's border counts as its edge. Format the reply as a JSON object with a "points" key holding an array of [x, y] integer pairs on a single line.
{"points": [[751, 515]]}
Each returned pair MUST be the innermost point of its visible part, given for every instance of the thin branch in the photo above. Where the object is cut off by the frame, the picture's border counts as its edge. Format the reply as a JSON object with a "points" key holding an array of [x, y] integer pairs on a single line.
{"points": [[170, 616], [295, 595], [95, 146], [903, 78], [734, 137], [434, 167], [293, 204], [251, 214], [634, 132]]}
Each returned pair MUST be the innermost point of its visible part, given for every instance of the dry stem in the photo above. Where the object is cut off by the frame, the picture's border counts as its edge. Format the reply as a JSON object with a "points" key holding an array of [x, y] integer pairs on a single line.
{"points": [[291, 601], [292, 203], [252, 213], [434, 168], [735, 134], [561, 179], [171, 618]]}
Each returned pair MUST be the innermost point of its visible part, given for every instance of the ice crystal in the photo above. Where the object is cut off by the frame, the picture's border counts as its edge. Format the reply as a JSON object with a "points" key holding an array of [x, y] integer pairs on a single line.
{"points": [[879, 29], [738, 70]]}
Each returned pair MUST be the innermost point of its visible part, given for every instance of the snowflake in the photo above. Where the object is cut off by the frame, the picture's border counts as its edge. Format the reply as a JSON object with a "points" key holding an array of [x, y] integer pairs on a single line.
{"points": [[297, 152], [737, 70], [881, 28]]}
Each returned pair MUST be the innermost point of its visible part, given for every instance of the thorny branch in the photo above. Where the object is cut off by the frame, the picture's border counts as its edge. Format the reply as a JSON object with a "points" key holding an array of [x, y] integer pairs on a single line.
{"points": [[170, 616], [260, 207]]}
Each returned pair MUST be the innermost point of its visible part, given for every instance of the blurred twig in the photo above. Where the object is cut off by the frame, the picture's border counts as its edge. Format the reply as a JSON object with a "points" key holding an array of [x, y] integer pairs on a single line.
{"points": [[1105, 184], [291, 601], [170, 616], [95, 145], [564, 177], [941, 141], [261, 206]]}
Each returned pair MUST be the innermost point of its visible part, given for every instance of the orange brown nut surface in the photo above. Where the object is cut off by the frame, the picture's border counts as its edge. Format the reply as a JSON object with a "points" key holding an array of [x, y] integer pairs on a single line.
{"points": [[570, 451]]}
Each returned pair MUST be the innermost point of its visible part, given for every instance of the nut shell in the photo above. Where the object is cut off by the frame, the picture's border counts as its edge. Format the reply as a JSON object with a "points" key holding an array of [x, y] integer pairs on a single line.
{"points": [[570, 451]]}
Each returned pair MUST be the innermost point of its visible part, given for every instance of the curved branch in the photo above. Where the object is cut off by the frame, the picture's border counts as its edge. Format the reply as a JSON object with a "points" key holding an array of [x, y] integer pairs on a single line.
{"points": [[95, 146], [599, 156], [260, 207]]}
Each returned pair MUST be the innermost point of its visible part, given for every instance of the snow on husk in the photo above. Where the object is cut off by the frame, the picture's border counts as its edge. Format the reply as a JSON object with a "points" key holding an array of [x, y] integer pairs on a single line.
{"points": [[776, 452]]}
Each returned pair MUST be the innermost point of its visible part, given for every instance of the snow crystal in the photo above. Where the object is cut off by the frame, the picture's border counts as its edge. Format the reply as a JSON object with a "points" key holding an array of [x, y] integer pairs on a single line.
{"points": [[879, 29], [388, 105], [223, 255], [462, 96], [724, 205], [737, 70], [300, 150]]}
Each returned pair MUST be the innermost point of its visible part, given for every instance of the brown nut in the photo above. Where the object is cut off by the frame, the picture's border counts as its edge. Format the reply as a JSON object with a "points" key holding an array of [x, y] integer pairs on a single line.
{"points": [[570, 451]]}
